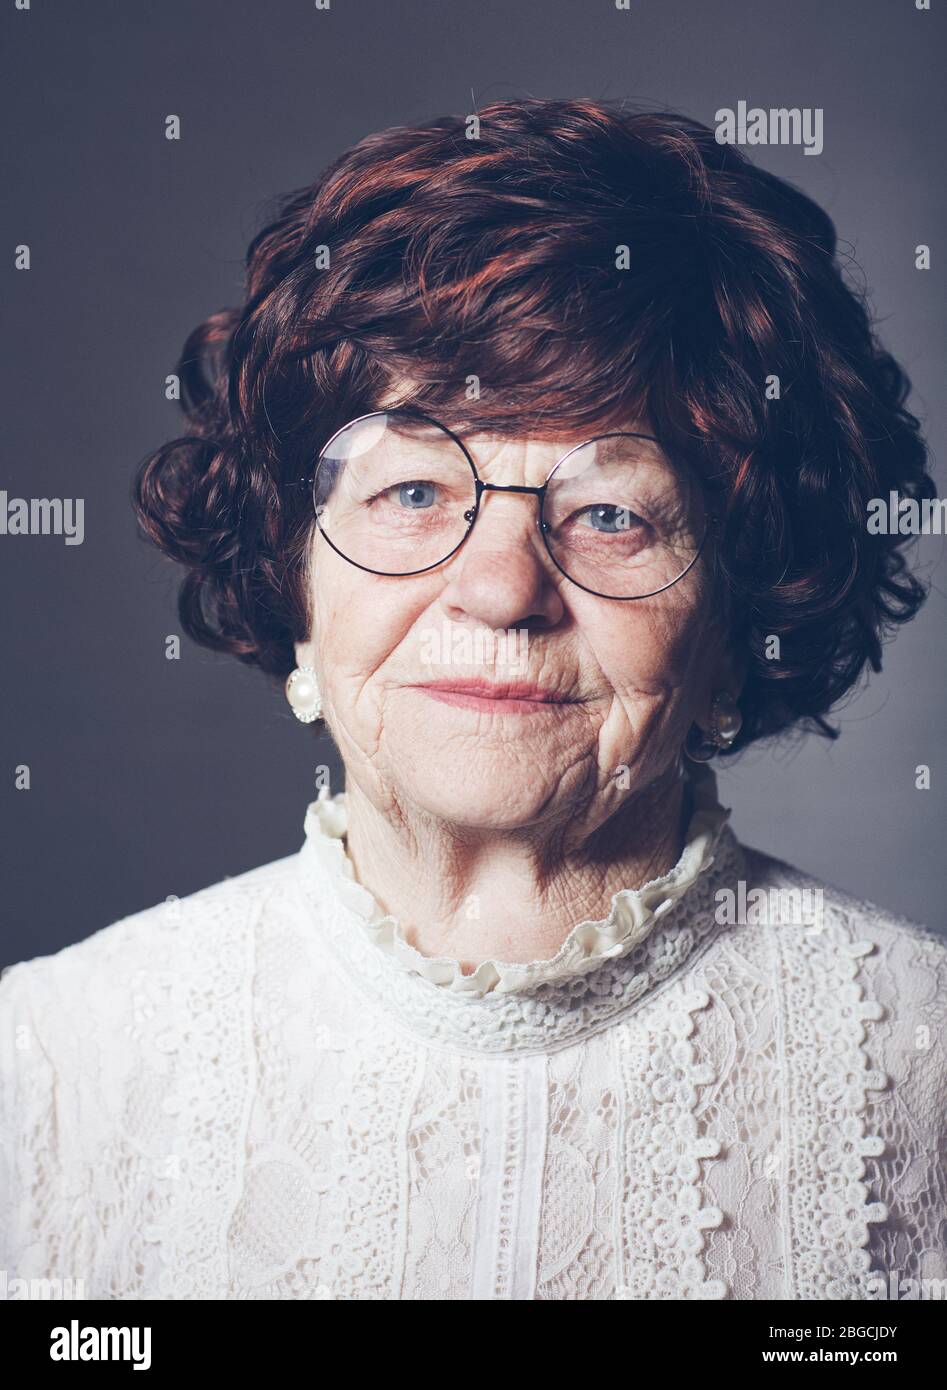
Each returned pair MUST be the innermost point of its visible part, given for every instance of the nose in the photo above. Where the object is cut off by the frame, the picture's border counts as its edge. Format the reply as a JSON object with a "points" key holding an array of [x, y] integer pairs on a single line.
{"points": [[502, 575]]}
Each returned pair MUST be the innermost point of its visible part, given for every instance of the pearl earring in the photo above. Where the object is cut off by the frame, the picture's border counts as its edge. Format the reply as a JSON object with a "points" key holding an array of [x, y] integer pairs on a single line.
{"points": [[726, 721], [302, 692]]}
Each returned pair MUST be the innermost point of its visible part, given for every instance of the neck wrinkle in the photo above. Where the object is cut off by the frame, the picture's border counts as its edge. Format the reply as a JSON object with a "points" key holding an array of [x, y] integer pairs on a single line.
{"points": [[520, 917]]}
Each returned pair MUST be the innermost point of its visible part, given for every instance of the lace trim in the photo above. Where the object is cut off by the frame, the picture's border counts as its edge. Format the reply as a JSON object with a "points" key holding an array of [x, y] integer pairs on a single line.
{"points": [[514, 1143], [827, 1073], [663, 1217]]}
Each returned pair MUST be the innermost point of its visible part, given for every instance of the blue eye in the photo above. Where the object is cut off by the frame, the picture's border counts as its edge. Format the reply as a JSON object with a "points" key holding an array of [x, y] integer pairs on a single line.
{"points": [[413, 495], [610, 519]]}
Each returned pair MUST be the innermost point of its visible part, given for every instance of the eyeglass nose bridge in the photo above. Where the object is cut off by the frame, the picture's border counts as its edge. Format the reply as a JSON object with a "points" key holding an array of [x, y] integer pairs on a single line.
{"points": [[482, 487], [508, 487]]}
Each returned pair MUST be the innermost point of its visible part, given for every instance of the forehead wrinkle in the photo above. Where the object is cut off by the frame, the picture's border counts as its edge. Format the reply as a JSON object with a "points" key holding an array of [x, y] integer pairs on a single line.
{"points": [[499, 459]]}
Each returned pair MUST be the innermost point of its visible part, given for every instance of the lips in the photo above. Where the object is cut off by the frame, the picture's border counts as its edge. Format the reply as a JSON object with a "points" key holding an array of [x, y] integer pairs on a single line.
{"points": [[498, 698], [504, 690]]}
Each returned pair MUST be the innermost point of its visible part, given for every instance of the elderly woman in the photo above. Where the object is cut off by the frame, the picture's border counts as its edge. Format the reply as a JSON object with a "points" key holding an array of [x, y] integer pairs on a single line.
{"points": [[536, 465]]}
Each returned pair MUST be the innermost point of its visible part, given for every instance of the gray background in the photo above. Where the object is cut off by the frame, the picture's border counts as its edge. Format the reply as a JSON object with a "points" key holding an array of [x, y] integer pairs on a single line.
{"points": [[153, 777]]}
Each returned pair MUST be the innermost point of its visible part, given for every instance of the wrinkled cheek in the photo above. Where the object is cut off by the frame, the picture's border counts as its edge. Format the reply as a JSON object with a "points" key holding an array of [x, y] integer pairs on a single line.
{"points": [[658, 655]]}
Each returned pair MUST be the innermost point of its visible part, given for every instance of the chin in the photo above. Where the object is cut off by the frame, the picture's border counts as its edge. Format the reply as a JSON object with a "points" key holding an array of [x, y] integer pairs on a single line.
{"points": [[482, 796]]}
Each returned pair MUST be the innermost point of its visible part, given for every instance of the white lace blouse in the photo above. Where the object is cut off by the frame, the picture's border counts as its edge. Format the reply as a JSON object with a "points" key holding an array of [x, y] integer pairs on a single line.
{"points": [[264, 1091]]}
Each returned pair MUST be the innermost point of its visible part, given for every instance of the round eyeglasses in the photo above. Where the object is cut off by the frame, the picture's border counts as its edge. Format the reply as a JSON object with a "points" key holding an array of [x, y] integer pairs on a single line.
{"points": [[396, 493]]}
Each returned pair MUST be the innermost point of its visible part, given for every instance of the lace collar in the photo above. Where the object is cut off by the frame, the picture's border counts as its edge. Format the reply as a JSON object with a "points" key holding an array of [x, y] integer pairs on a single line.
{"points": [[601, 968]]}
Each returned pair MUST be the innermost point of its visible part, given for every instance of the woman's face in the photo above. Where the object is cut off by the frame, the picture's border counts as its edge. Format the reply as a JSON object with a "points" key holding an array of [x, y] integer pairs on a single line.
{"points": [[627, 678]]}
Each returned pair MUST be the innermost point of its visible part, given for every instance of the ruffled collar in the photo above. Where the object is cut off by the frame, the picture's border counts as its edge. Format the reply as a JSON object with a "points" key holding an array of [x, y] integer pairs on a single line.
{"points": [[647, 932]]}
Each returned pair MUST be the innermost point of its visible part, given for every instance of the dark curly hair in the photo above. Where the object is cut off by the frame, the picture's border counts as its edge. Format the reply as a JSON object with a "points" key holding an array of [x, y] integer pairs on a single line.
{"points": [[426, 256]]}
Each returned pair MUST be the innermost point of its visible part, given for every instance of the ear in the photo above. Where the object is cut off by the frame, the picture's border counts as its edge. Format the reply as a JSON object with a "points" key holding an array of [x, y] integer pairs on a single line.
{"points": [[729, 674], [305, 653], [733, 673]]}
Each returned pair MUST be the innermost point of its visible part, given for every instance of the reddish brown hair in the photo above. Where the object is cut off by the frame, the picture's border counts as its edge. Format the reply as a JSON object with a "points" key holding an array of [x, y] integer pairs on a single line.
{"points": [[497, 257]]}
